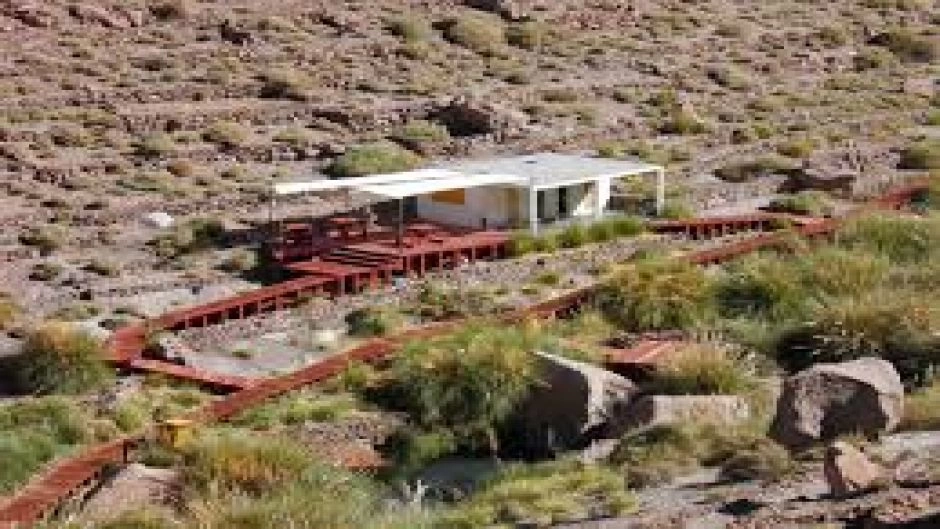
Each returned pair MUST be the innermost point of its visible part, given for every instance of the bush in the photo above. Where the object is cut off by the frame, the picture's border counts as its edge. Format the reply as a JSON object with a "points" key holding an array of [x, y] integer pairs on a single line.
{"points": [[483, 34], [572, 236], [9, 312], [798, 148], [34, 431], [373, 159], [922, 408], [901, 239], [601, 231], [297, 409], [46, 238], [410, 28], [286, 84], [682, 122], [521, 243], [228, 134], [170, 9], [749, 170], [237, 460], [419, 132], [908, 46], [240, 261], [657, 294], [58, 358], [193, 236], [811, 203], [369, 322], [762, 286], [155, 146], [922, 155], [897, 326], [467, 383], [677, 210], [45, 272], [528, 35], [703, 370]]}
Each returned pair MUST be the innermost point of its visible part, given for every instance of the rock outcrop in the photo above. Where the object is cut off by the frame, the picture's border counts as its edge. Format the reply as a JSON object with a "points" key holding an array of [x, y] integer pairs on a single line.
{"points": [[848, 471], [828, 400], [573, 404]]}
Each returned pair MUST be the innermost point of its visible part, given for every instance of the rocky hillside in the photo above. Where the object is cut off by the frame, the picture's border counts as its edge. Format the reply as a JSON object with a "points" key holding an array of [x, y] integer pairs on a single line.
{"points": [[111, 104]]}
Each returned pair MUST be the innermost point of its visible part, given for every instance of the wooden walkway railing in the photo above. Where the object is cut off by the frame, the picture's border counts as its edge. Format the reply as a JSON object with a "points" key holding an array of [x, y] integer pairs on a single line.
{"points": [[71, 477]]}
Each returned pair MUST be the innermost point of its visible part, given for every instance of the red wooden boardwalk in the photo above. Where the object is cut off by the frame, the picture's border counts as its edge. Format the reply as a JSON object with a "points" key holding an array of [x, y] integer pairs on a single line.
{"points": [[68, 478]]}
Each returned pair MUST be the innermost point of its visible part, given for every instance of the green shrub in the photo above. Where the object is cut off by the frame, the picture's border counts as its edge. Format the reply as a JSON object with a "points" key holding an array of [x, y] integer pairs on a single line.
{"points": [[901, 239], [572, 236], [368, 322], [834, 271], [467, 383], [677, 210], [482, 34], [657, 294], [811, 203], [601, 231], [228, 134], [922, 155], [521, 243], [762, 286], [750, 169], [58, 358], [297, 409], [237, 460], [611, 150], [546, 493], [626, 226], [372, 159], [900, 327], [195, 235], [240, 261], [548, 279], [419, 132], [703, 370]]}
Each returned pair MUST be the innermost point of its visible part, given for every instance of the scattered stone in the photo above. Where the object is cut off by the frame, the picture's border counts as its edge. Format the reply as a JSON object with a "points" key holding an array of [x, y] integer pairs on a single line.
{"points": [[848, 471], [158, 219], [98, 15], [828, 400]]}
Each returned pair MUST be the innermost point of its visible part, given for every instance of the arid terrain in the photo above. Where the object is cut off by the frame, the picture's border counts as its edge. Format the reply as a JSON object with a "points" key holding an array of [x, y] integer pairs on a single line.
{"points": [[792, 382]]}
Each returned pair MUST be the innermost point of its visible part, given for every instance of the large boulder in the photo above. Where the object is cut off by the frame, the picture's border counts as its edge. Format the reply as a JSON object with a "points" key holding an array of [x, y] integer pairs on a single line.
{"points": [[848, 471], [574, 404], [828, 400]]}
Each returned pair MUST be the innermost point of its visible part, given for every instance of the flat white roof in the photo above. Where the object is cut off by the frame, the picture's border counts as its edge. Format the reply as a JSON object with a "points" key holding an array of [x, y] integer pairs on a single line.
{"points": [[534, 170]]}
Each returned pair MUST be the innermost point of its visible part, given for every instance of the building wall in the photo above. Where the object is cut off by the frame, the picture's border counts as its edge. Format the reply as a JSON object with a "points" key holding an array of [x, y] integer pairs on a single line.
{"points": [[491, 203]]}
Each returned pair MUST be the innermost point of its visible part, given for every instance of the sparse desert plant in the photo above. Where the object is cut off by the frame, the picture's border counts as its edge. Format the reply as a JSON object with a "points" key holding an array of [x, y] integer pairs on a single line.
{"points": [[228, 134], [520, 243], [908, 46], [483, 34], [762, 286], [418, 133], [58, 358], [46, 238], [812, 203], [45, 271], [286, 84], [411, 28], [373, 158], [240, 261], [797, 148], [9, 311], [677, 210], [750, 169], [682, 122], [170, 9], [528, 35], [922, 408], [155, 146]]}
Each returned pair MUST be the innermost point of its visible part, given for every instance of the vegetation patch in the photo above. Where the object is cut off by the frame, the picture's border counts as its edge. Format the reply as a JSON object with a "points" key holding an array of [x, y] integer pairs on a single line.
{"points": [[59, 358], [373, 159]]}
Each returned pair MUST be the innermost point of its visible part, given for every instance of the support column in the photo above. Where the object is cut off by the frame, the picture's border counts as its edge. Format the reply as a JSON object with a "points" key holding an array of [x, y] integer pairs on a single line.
{"points": [[600, 185], [533, 211], [400, 234], [660, 191]]}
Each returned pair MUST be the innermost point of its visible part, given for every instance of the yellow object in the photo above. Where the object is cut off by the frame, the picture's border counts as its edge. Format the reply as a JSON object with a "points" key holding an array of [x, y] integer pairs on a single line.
{"points": [[457, 197], [175, 433]]}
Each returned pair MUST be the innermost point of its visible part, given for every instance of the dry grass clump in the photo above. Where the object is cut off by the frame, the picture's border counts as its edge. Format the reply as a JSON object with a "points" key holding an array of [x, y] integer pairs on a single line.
{"points": [[9, 311], [546, 494], [155, 146], [286, 84], [483, 34], [922, 408], [59, 358], [909, 46], [704, 370], [228, 134], [170, 9], [410, 28]]}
